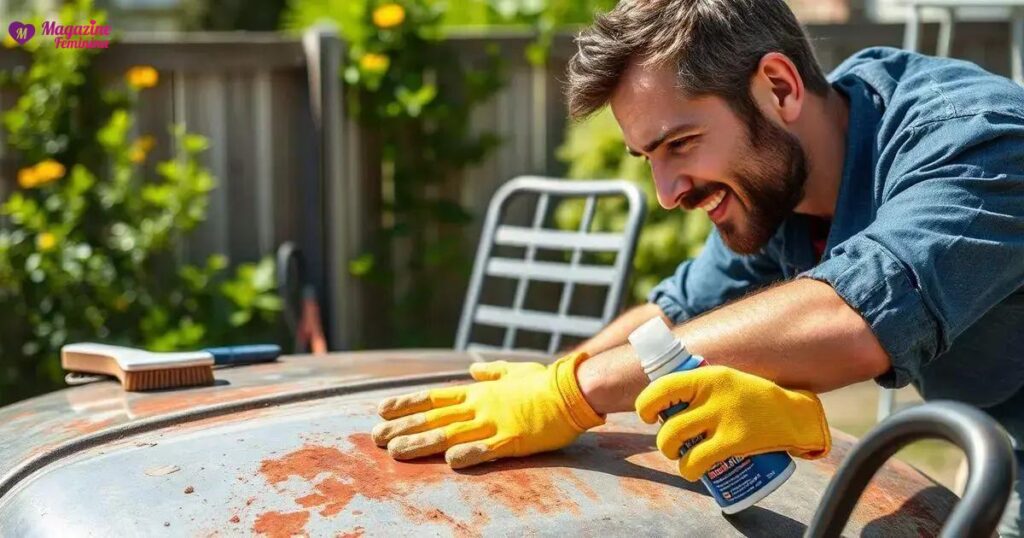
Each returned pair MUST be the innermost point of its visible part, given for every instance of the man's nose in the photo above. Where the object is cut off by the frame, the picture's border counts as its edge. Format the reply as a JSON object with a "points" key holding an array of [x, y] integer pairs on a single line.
{"points": [[670, 186]]}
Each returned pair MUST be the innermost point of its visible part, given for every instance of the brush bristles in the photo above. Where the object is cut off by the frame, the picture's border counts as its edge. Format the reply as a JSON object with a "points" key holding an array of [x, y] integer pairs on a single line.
{"points": [[168, 378]]}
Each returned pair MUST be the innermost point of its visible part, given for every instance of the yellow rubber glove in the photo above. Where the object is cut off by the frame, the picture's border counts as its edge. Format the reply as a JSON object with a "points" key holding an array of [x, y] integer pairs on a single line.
{"points": [[516, 409], [739, 414]]}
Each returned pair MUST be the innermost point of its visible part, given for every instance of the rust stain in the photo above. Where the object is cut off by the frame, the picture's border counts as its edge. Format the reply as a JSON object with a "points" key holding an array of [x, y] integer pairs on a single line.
{"points": [[354, 533], [897, 491], [21, 416], [227, 418], [524, 487], [281, 525], [337, 477], [365, 469], [85, 426], [898, 497], [332, 494], [169, 402]]}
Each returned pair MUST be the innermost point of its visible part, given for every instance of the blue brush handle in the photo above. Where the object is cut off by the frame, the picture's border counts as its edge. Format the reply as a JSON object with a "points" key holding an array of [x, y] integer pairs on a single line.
{"points": [[244, 354]]}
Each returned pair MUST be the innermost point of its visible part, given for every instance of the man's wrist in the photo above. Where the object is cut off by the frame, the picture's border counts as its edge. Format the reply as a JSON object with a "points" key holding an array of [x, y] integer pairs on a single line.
{"points": [[611, 381]]}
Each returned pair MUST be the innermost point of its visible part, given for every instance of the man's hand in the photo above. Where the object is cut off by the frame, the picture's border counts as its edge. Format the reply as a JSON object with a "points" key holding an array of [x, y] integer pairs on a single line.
{"points": [[739, 414], [515, 409]]}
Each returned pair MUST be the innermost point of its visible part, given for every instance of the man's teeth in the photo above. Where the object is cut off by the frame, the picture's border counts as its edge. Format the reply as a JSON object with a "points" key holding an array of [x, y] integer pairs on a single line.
{"points": [[712, 203]]}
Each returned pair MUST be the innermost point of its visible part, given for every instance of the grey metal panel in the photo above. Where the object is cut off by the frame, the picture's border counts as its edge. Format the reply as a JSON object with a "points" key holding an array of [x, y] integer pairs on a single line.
{"points": [[551, 271], [240, 181], [205, 106], [557, 239], [286, 447], [537, 321]]}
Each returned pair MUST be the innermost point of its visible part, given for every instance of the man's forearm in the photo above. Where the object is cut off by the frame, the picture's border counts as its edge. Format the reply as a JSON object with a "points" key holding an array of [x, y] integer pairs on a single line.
{"points": [[617, 332], [801, 335]]}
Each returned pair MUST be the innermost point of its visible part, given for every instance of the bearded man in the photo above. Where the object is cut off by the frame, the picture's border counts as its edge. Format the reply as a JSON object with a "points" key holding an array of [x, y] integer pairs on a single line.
{"points": [[868, 225]]}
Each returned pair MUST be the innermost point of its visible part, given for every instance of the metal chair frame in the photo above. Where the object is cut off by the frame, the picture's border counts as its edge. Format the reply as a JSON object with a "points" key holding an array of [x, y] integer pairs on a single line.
{"points": [[524, 271]]}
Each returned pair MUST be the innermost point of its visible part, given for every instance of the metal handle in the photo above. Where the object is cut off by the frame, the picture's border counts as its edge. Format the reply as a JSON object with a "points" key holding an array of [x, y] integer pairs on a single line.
{"points": [[989, 457]]}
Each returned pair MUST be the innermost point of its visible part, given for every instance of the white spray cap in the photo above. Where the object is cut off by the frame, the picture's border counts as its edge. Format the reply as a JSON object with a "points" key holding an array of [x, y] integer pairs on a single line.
{"points": [[655, 344]]}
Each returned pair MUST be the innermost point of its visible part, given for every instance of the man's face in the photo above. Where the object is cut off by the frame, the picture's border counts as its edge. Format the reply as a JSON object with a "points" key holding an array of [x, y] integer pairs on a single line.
{"points": [[703, 155]]}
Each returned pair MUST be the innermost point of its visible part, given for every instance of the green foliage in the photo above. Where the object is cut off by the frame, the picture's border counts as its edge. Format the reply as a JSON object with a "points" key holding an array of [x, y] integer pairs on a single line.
{"points": [[91, 235], [404, 83], [593, 149]]}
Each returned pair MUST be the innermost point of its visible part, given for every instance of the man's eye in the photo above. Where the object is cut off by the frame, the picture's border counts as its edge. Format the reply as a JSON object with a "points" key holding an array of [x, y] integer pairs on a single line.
{"points": [[677, 143]]}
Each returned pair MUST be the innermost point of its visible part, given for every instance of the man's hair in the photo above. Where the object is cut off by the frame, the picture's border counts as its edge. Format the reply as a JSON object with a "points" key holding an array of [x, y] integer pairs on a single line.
{"points": [[715, 46]]}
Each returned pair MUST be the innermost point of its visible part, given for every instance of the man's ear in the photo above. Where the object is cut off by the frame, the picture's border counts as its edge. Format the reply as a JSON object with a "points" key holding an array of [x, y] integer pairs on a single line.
{"points": [[777, 87]]}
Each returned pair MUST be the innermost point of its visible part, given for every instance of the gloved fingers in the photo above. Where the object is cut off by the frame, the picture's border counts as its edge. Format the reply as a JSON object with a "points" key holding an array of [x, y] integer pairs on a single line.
{"points": [[468, 454], [438, 440], [420, 422], [490, 371], [407, 404], [700, 459], [665, 392], [678, 430]]}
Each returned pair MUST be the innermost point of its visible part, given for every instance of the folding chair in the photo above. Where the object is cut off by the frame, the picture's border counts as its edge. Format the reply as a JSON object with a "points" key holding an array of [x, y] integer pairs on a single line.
{"points": [[527, 269]]}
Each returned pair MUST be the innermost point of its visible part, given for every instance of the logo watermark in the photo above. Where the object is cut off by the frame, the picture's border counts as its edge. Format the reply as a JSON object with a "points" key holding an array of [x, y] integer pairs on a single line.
{"points": [[21, 32], [66, 36]]}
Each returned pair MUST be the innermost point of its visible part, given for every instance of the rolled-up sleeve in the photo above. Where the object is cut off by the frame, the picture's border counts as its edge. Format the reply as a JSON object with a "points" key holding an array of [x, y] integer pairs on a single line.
{"points": [[875, 283], [946, 245], [715, 276]]}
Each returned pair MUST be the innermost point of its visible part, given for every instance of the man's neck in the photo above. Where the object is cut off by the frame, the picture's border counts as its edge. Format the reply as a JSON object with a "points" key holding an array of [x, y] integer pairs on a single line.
{"points": [[823, 137]]}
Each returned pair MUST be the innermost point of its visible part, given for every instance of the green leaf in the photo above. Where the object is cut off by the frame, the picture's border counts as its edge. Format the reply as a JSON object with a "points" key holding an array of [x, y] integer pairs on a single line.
{"points": [[193, 143], [361, 265], [240, 317]]}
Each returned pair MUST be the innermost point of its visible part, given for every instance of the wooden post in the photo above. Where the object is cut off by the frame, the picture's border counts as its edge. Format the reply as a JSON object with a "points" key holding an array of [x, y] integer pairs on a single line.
{"points": [[323, 49]]}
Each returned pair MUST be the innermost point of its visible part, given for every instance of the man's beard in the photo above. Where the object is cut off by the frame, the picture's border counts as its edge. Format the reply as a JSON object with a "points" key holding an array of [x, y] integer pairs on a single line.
{"points": [[772, 173]]}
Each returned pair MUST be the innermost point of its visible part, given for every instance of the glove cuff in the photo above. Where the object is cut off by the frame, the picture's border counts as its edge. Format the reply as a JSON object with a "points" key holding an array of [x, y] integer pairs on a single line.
{"points": [[580, 413], [820, 450]]}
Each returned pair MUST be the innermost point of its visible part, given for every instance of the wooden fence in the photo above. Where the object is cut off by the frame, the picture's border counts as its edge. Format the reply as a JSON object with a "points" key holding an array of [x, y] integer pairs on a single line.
{"points": [[291, 167]]}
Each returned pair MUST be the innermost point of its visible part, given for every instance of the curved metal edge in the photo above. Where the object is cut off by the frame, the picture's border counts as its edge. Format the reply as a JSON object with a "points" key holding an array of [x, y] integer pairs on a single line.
{"points": [[986, 444], [69, 448]]}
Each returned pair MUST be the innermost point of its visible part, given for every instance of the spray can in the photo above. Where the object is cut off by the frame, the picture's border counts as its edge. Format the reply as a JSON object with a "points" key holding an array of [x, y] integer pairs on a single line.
{"points": [[736, 483]]}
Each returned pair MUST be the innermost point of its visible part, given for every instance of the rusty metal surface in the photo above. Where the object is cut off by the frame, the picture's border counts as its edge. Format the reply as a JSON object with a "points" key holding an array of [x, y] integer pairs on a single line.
{"points": [[306, 465]]}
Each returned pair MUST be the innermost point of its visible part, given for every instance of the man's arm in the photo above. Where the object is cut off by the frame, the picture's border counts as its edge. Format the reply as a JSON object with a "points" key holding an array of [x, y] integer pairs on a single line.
{"points": [[800, 334], [617, 332]]}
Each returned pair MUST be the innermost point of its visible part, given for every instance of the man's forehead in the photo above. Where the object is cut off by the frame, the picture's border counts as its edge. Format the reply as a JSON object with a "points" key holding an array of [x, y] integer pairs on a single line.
{"points": [[648, 103], [643, 79]]}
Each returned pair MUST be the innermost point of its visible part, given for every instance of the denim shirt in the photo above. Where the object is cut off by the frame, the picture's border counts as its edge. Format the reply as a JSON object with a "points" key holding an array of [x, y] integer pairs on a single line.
{"points": [[927, 238]]}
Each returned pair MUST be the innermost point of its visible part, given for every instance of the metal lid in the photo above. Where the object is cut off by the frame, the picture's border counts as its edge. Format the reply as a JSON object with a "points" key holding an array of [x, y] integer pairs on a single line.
{"points": [[283, 448]]}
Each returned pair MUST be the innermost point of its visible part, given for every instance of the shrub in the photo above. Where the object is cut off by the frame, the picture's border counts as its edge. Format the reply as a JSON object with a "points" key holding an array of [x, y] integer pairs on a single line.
{"points": [[92, 236]]}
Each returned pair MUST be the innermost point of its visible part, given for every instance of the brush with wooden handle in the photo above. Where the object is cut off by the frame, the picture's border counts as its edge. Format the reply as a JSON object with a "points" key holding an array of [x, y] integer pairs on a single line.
{"points": [[140, 370]]}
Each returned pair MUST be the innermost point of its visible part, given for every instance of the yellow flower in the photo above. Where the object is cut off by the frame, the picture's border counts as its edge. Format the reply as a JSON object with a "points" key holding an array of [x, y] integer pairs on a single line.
{"points": [[49, 171], [374, 63], [388, 16], [9, 42], [142, 76], [42, 173], [46, 241], [27, 177], [140, 148], [121, 303]]}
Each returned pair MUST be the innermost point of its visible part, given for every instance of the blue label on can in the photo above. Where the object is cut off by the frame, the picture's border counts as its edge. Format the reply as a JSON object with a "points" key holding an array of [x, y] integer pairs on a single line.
{"points": [[733, 480]]}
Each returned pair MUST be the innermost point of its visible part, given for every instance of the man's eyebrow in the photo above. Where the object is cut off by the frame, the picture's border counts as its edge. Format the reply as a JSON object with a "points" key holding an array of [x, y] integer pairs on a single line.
{"points": [[653, 145]]}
